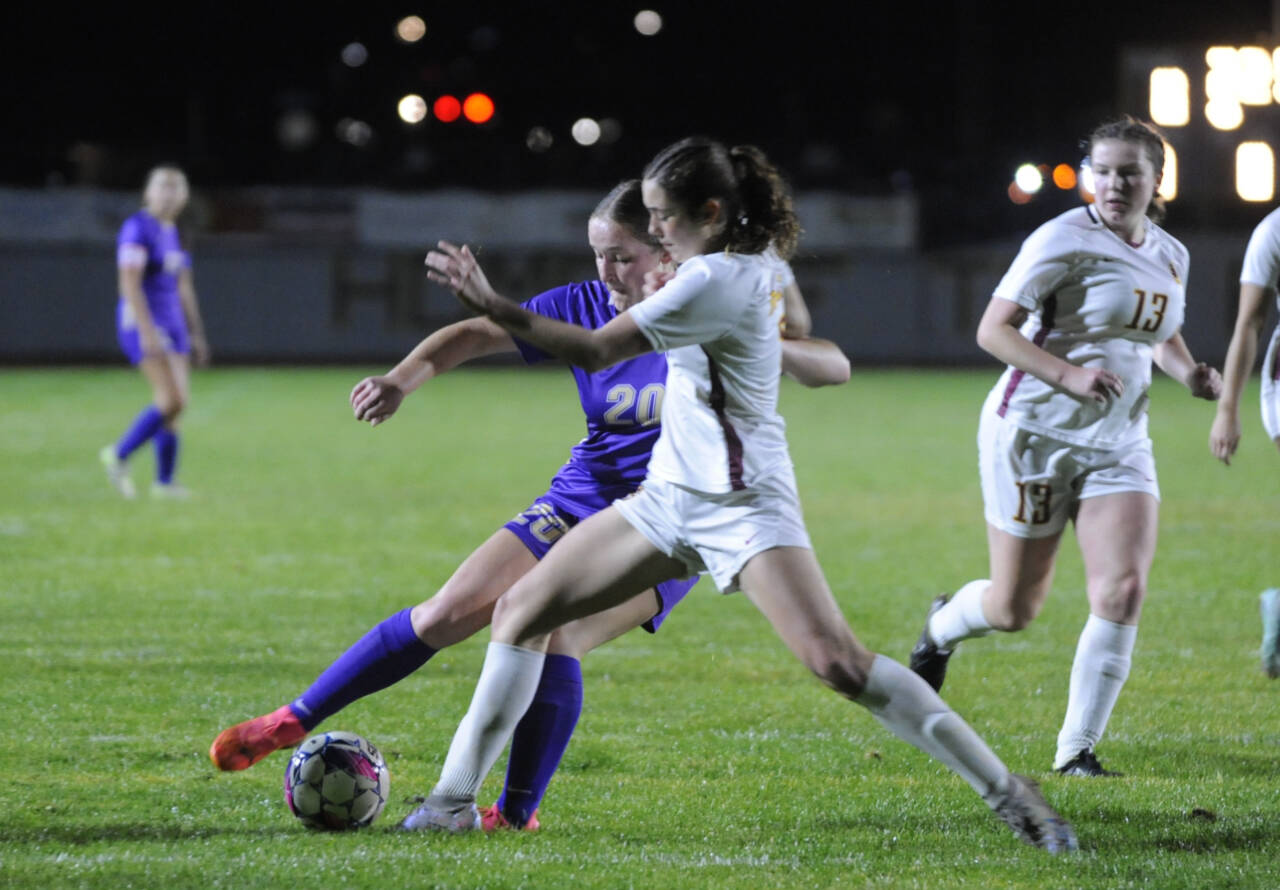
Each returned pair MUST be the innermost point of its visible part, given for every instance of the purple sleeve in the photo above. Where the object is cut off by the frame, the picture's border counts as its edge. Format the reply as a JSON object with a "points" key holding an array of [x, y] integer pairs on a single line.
{"points": [[554, 303], [133, 232]]}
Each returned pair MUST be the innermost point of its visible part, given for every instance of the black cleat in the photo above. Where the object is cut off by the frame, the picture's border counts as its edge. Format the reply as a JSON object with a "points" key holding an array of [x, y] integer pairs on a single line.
{"points": [[1086, 764], [927, 659]]}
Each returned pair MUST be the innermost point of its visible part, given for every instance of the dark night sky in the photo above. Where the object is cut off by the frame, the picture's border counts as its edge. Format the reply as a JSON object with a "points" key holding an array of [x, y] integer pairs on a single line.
{"points": [[843, 94]]}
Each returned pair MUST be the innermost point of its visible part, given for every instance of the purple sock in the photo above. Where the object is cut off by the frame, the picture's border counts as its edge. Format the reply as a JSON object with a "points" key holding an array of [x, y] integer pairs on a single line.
{"points": [[541, 738], [389, 652], [144, 427], [166, 442]]}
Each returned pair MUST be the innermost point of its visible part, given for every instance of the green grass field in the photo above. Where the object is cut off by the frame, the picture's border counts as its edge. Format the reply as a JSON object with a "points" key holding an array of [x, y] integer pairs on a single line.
{"points": [[706, 756]]}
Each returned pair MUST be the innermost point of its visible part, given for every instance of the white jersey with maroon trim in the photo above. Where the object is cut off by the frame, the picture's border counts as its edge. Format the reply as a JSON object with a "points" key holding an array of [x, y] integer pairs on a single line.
{"points": [[1262, 256], [1093, 300], [718, 321]]}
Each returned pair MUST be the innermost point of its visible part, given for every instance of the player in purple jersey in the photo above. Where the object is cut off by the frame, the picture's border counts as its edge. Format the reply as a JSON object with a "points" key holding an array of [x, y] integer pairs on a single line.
{"points": [[720, 491], [622, 406], [158, 325]]}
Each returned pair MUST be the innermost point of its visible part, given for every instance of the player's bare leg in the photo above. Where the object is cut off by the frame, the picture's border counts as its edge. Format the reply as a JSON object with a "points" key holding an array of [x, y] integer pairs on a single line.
{"points": [[602, 563], [787, 585], [462, 606], [1117, 534], [1021, 578]]}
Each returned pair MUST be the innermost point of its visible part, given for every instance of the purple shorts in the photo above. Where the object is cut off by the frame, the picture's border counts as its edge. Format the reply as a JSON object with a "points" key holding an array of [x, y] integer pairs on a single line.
{"points": [[172, 337], [542, 524]]}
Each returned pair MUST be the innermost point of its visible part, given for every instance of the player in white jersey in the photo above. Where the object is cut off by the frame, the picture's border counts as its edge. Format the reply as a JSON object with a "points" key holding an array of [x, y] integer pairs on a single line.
{"points": [[1093, 297], [719, 495], [1258, 278]]}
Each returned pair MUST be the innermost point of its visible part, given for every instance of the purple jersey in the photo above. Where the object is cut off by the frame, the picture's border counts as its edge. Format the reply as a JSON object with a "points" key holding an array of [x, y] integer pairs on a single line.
{"points": [[145, 241], [623, 405]]}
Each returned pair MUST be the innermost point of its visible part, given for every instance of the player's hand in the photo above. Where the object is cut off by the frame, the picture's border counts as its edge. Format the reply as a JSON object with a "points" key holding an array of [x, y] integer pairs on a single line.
{"points": [[1097, 384], [655, 279], [375, 399], [1224, 435], [1205, 382], [200, 353], [457, 269]]}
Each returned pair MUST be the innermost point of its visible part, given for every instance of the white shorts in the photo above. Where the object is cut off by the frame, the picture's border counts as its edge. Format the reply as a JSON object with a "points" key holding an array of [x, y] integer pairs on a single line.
{"points": [[1271, 387], [718, 533], [1032, 484]]}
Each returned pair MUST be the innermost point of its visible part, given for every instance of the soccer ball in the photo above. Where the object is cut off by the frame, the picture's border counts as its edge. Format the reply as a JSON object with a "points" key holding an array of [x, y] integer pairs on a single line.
{"points": [[336, 781]]}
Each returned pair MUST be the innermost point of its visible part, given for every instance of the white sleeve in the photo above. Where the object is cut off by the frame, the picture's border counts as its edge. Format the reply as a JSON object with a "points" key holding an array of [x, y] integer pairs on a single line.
{"points": [[131, 256], [691, 308], [1040, 266], [1262, 257]]}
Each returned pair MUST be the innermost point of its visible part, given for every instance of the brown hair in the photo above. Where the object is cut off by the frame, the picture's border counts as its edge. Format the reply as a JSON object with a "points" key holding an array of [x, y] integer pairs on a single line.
{"points": [[625, 206], [1131, 129], [754, 198]]}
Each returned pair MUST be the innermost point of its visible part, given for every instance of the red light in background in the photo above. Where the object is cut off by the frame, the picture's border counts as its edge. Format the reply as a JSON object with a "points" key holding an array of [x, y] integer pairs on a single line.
{"points": [[1064, 176], [447, 109]]}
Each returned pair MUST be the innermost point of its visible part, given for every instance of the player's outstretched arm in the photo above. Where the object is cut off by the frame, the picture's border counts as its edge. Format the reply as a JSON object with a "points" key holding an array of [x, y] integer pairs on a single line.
{"points": [[457, 269], [1174, 358], [999, 334], [814, 362], [1224, 435], [375, 399]]}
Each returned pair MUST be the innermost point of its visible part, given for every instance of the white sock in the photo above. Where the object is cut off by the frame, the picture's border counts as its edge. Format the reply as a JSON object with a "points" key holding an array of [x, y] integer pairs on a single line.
{"points": [[911, 710], [506, 686], [1102, 663], [962, 617]]}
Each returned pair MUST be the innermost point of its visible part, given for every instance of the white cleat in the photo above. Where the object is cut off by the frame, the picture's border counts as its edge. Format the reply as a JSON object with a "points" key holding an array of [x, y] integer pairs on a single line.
{"points": [[453, 818], [117, 472], [171, 491], [1025, 810]]}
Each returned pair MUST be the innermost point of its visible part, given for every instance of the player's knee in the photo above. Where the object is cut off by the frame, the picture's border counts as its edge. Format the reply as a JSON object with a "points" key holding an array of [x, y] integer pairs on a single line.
{"points": [[170, 405], [840, 671], [1119, 599], [512, 620], [1013, 615]]}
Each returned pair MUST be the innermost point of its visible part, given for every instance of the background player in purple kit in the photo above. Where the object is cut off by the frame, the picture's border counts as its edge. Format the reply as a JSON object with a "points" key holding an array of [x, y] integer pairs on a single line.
{"points": [[622, 405], [158, 325]]}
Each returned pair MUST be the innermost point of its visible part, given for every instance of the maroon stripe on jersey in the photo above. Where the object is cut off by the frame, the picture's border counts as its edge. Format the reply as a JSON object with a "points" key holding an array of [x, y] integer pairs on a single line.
{"points": [[732, 443], [1047, 318]]}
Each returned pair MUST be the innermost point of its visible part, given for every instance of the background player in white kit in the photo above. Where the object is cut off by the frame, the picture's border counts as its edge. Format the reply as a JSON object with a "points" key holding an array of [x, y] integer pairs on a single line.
{"points": [[719, 493], [1258, 277], [1093, 297]]}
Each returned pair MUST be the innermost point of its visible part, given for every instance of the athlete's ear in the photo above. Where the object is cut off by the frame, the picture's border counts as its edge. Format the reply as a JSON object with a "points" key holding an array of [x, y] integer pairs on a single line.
{"points": [[711, 211]]}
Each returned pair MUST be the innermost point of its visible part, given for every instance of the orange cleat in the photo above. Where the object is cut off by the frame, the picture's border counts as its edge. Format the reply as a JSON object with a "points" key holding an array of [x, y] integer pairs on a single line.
{"points": [[491, 819], [244, 744]]}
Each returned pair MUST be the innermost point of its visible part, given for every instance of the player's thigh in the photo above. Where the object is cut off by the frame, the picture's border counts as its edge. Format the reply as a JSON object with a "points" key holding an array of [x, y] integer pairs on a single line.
{"points": [[601, 563], [787, 585], [579, 637], [1117, 535], [464, 604], [1021, 577]]}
